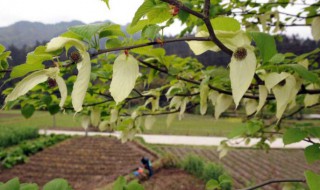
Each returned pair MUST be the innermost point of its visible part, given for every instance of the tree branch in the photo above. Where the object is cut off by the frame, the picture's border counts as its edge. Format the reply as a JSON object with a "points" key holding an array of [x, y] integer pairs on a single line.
{"points": [[5, 71], [183, 7], [274, 181], [206, 8], [150, 44], [206, 20]]}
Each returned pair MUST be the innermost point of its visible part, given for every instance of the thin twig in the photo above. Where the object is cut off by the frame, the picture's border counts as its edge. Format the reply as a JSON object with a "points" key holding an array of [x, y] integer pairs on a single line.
{"points": [[150, 44], [274, 181]]}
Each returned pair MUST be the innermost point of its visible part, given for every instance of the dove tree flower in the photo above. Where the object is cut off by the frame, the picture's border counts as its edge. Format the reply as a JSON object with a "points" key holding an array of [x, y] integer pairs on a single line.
{"points": [[84, 68], [36, 78]]}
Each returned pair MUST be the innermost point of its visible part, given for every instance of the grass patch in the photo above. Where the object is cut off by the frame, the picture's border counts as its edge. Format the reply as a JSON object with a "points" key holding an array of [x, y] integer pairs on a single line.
{"points": [[40, 119], [10, 135], [195, 125]]}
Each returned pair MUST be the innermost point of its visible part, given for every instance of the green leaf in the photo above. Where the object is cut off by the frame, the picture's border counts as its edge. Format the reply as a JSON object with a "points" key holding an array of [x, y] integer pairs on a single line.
{"points": [[73, 35], [159, 13], [107, 3], [312, 153], [293, 135], [237, 132], [277, 58], [150, 31], [88, 31], [5, 55], [313, 180], [212, 185], [2, 48], [134, 185], [266, 45], [142, 10], [303, 72], [150, 51], [57, 184], [53, 109], [225, 23], [113, 30], [131, 29], [119, 184], [12, 184], [46, 99], [252, 128], [33, 58], [314, 131], [28, 110], [24, 69], [29, 186], [113, 43]]}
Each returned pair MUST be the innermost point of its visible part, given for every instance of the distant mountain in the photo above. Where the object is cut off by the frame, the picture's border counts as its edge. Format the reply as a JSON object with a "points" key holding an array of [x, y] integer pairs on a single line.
{"points": [[28, 33]]}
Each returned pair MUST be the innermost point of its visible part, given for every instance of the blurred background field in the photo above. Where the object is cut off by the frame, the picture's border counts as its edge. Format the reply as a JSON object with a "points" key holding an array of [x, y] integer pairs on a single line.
{"points": [[189, 125]]}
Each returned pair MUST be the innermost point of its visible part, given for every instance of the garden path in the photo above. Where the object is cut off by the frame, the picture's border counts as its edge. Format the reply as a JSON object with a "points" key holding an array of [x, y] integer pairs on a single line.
{"points": [[187, 140]]}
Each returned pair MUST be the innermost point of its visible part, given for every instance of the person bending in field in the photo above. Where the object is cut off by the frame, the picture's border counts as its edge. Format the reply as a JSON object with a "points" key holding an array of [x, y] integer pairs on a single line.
{"points": [[139, 172], [147, 165]]}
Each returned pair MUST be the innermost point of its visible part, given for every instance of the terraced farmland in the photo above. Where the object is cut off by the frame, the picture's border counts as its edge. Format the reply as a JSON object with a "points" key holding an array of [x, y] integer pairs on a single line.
{"points": [[248, 167], [86, 162]]}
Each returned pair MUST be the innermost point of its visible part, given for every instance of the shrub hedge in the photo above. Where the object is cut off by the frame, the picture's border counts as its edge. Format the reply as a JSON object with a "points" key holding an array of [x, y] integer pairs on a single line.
{"points": [[13, 135]]}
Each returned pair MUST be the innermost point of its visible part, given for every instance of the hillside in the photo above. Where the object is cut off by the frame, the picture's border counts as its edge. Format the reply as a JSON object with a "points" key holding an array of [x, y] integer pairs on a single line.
{"points": [[29, 33]]}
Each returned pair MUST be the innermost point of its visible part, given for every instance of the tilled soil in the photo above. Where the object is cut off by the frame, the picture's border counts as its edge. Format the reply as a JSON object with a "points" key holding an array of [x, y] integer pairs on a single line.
{"points": [[250, 166], [173, 179], [86, 162]]}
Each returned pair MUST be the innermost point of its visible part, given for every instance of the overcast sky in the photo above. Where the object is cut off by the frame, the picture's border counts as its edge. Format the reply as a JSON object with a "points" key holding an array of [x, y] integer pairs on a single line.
{"points": [[88, 11]]}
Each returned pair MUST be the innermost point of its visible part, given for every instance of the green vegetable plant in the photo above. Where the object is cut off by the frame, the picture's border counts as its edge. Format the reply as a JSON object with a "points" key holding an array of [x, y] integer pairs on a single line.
{"points": [[55, 184], [19, 154]]}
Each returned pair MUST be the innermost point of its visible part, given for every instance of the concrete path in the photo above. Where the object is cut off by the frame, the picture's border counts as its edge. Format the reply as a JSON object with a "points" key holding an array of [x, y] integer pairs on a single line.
{"points": [[186, 140]]}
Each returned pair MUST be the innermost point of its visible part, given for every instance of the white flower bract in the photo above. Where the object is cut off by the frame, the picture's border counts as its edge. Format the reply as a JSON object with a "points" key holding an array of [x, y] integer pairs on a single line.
{"points": [[125, 74], [36, 78], [241, 73], [315, 28]]}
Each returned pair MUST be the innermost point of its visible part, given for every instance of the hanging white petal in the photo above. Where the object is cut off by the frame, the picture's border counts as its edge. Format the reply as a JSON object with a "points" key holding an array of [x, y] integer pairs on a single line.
{"points": [[82, 82], [273, 79], [125, 74], [85, 122], [263, 94], [149, 122], [34, 79], [95, 116], [199, 47], [315, 28], [212, 96], [230, 39], [304, 63], [295, 90], [113, 115], [283, 94], [183, 107], [250, 106], [311, 99], [204, 91], [104, 125], [222, 104], [60, 42], [175, 102], [171, 118], [63, 90], [242, 69]]}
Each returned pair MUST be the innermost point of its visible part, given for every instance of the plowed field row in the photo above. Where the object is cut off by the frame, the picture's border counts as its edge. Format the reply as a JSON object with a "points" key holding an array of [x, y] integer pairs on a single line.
{"points": [[86, 162], [248, 167]]}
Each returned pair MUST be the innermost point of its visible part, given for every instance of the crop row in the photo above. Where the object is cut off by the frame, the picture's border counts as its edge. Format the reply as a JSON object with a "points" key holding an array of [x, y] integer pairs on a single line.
{"points": [[19, 154], [13, 135]]}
